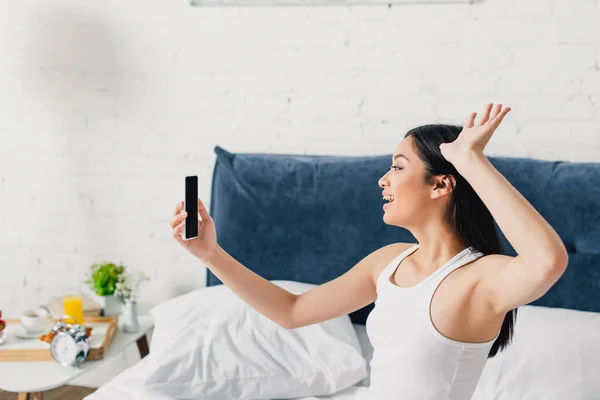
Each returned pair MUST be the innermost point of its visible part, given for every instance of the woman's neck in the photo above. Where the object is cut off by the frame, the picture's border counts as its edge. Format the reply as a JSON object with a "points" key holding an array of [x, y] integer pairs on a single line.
{"points": [[437, 245]]}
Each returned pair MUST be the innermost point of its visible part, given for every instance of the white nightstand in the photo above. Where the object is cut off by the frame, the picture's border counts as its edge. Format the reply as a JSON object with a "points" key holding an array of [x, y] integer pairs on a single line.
{"points": [[30, 379]]}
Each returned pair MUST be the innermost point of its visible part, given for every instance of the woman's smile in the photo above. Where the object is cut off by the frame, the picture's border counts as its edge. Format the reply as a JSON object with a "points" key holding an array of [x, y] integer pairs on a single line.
{"points": [[388, 203]]}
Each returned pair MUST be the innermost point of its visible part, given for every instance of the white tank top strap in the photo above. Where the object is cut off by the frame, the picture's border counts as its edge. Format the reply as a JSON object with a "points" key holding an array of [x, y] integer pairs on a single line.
{"points": [[387, 271], [464, 257]]}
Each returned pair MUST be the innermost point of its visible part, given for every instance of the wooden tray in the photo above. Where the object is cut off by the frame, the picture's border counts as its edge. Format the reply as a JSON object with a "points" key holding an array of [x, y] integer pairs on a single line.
{"points": [[17, 349]]}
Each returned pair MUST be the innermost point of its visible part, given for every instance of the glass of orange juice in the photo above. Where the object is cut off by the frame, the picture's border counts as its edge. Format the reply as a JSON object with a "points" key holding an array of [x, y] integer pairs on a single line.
{"points": [[73, 307]]}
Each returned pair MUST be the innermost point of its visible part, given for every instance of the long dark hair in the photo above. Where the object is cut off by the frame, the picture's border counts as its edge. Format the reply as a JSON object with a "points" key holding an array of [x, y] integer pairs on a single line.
{"points": [[470, 218]]}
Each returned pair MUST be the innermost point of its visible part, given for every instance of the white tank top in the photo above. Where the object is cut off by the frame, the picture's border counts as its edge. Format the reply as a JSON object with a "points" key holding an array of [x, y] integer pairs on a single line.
{"points": [[411, 359]]}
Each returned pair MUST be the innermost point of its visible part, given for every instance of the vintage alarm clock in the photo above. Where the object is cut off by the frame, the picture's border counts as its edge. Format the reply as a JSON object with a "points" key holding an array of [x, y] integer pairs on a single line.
{"points": [[70, 345]]}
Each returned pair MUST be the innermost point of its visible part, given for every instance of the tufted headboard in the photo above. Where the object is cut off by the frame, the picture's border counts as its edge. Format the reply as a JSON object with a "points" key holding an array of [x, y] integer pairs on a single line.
{"points": [[311, 218]]}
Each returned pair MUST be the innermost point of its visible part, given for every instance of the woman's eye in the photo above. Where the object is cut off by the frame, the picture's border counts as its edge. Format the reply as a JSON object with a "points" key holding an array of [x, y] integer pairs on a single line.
{"points": [[395, 168]]}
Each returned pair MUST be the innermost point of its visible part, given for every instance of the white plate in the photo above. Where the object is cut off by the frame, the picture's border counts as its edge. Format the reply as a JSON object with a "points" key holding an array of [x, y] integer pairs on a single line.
{"points": [[20, 332]]}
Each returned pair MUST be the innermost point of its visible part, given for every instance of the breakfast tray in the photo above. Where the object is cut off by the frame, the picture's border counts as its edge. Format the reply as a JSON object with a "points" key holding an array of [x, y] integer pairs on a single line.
{"points": [[18, 349]]}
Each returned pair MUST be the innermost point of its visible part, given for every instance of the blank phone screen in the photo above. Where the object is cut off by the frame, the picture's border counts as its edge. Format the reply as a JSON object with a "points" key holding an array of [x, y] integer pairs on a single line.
{"points": [[191, 206]]}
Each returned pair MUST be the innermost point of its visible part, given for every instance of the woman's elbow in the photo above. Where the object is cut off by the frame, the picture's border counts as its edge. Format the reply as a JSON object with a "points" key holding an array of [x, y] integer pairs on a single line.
{"points": [[557, 262]]}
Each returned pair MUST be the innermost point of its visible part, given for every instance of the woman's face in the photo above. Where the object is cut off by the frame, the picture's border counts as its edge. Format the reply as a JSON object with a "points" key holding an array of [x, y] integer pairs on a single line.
{"points": [[405, 182]]}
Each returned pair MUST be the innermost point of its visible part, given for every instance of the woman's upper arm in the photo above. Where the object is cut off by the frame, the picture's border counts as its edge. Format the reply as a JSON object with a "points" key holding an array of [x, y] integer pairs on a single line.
{"points": [[349, 292], [507, 283]]}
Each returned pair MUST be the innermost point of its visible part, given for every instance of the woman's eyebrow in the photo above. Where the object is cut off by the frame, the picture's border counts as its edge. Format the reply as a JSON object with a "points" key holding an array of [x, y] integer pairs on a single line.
{"points": [[400, 155]]}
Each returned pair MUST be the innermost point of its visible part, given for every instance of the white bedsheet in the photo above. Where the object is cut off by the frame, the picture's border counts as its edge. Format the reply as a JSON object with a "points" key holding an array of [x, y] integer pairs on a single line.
{"points": [[555, 354], [128, 384]]}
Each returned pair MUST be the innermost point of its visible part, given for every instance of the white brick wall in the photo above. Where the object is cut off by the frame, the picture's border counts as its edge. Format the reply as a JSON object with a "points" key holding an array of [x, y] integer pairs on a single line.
{"points": [[105, 106]]}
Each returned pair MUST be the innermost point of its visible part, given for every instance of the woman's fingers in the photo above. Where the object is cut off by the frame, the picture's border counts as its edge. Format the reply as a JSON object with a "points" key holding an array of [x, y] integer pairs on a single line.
{"points": [[498, 119], [174, 233], [177, 229], [496, 111], [178, 208], [178, 216], [178, 219], [202, 211], [470, 120], [486, 114]]}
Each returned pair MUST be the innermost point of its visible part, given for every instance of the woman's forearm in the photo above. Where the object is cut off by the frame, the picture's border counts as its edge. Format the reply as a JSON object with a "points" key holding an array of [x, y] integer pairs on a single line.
{"points": [[267, 298], [532, 237]]}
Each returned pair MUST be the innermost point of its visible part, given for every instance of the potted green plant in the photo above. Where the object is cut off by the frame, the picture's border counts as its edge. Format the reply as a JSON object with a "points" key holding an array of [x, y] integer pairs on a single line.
{"points": [[102, 279]]}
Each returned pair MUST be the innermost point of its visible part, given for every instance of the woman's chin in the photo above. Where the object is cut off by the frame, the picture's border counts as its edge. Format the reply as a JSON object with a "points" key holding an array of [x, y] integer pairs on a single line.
{"points": [[392, 218], [388, 207], [388, 217]]}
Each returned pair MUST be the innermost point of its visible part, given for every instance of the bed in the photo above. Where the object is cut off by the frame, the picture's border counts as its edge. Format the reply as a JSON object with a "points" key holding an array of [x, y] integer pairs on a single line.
{"points": [[309, 218]]}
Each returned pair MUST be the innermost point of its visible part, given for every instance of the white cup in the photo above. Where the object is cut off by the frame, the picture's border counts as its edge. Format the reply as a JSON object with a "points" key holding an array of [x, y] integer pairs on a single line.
{"points": [[33, 321]]}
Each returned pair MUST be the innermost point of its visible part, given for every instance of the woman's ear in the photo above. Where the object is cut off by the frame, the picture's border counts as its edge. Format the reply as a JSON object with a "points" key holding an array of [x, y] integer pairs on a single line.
{"points": [[442, 185]]}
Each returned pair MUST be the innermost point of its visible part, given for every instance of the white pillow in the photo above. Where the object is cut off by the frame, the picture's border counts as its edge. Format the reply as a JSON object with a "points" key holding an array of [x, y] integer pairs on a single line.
{"points": [[210, 344], [555, 355]]}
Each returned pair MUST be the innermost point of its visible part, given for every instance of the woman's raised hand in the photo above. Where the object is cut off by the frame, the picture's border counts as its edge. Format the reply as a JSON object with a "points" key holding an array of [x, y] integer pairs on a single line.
{"points": [[205, 244], [474, 136]]}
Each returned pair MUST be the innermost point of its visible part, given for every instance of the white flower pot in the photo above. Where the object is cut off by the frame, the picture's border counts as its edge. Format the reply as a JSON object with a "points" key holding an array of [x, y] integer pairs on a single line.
{"points": [[128, 321], [112, 306]]}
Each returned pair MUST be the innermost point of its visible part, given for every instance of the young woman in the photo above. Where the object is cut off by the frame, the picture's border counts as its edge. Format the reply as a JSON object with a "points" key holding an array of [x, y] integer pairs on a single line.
{"points": [[443, 306]]}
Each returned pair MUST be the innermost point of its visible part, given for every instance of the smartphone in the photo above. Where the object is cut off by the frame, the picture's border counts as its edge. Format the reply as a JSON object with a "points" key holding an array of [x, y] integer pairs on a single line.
{"points": [[190, 205]]}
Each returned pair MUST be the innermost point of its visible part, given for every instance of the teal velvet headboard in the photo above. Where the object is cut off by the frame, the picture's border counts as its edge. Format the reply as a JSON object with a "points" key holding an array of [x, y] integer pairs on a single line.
{"points": [[311, 218]]}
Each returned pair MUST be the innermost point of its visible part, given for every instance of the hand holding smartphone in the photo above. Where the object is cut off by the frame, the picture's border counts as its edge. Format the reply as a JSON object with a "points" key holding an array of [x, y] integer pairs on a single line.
{"points": [[190, 205], [191, 220]]}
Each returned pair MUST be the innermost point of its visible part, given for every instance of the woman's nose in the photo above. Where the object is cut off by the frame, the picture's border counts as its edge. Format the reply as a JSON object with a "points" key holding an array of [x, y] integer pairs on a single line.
{"points": [[382, 181]]}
